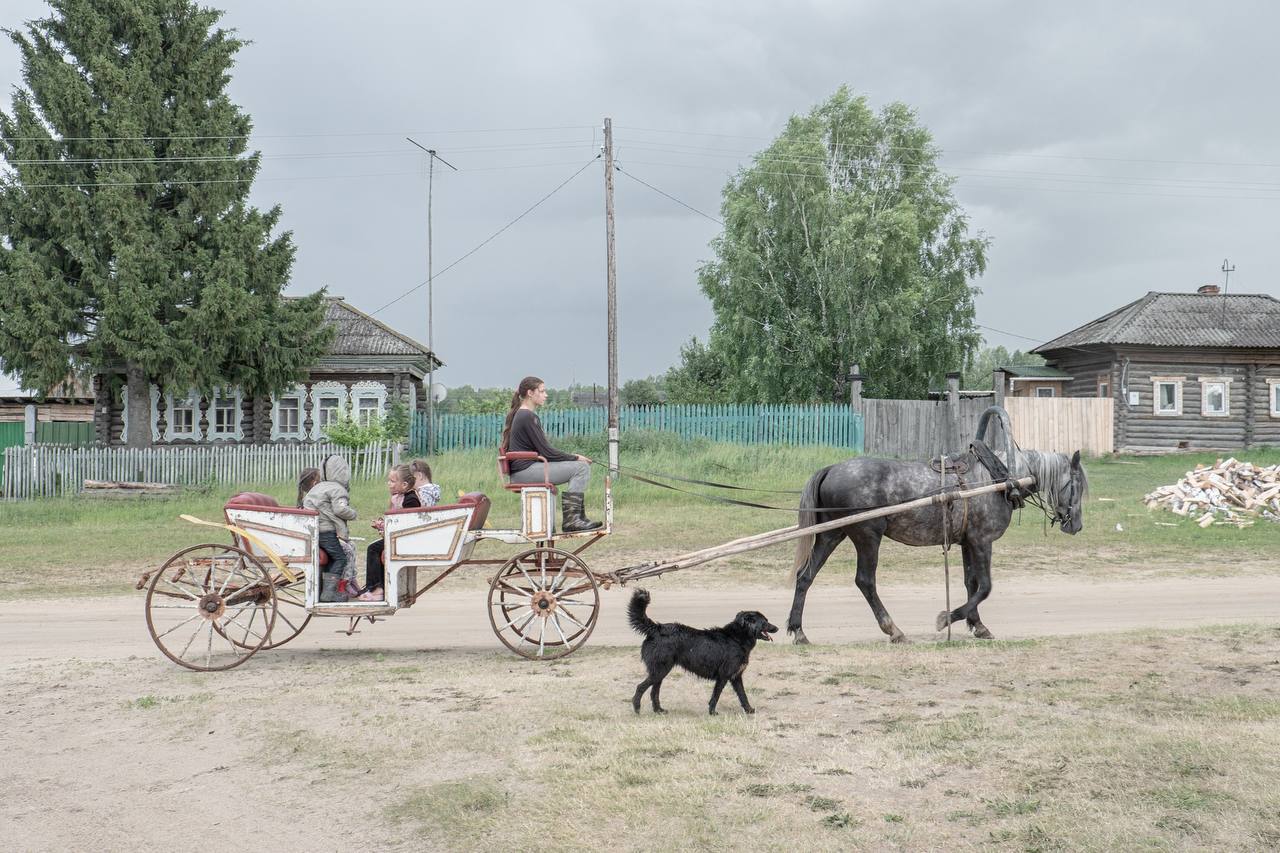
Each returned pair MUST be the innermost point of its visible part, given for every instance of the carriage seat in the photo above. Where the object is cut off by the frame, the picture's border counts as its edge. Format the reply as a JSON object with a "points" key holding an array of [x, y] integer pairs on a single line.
{"points": [[258, 499], [479, 500], [504, 468]]}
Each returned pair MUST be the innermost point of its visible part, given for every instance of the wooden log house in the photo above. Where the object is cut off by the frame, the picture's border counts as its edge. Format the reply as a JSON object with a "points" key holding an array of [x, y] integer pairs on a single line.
{"points": [[1185, 370], [368, 367]]}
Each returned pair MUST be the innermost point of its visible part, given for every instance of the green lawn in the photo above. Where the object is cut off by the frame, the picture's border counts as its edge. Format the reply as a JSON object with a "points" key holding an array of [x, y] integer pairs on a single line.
{"points": [[76, 546]]}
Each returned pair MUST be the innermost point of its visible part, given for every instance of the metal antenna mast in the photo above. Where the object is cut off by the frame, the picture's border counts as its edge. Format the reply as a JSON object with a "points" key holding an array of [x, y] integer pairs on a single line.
{"points": [[431, 343]]}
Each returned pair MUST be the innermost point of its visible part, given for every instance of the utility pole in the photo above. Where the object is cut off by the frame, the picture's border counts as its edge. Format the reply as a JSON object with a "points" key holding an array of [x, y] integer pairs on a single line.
{"points": [[612, 276], [1226, 273], [431, 343]]}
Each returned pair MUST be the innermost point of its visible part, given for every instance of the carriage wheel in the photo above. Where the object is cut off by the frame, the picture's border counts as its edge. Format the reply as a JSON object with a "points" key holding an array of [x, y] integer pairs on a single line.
{"points": [[291, 614], [202, 598], [543, 604]]}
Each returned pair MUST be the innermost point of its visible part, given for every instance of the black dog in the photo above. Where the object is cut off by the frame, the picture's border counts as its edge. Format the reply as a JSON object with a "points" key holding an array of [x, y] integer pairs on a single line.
{"points": [[719, 654]]}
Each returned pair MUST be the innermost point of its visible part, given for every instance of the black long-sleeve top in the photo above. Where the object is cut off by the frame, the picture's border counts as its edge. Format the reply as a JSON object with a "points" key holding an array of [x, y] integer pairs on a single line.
{"points": [[527, 435]]}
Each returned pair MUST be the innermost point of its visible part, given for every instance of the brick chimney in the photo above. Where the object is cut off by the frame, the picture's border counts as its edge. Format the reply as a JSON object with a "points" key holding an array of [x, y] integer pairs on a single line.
{"points": [[1208, 290]]}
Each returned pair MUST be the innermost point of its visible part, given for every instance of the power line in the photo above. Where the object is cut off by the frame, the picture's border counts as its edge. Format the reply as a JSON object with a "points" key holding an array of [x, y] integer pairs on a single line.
{"points": [[991, 153], [998, 186], [799, 160], [323, 155], [201, 182], [490, 238], [298, 135], [668, 195]]}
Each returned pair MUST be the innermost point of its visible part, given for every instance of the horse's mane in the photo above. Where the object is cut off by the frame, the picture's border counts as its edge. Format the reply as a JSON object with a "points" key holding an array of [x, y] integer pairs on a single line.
{"points": [[1052, 471]]}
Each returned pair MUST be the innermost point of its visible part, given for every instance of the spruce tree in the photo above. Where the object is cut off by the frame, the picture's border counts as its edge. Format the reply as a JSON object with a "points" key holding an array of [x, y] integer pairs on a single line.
{"points": [[129, 244]]}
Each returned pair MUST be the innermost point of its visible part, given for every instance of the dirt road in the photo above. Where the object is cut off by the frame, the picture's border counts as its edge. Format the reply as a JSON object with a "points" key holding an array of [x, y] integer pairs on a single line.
{"points": [[113, 628]]}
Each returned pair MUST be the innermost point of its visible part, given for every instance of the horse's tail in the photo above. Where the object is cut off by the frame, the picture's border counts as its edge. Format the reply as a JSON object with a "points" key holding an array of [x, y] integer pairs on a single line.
{"points": [[807, 518]]}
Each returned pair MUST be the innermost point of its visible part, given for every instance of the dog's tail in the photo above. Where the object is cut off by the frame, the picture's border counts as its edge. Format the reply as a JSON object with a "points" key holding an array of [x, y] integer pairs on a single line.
{"points": [[640, 621], [807, 518]]}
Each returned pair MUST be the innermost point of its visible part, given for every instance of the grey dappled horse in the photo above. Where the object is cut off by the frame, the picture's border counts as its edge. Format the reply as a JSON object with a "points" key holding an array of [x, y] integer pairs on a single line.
{"points": [[866, 483]]}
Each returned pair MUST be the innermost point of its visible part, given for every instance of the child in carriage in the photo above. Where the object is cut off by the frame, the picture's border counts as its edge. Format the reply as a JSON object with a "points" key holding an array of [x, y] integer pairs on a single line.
{"points": [[331, 499], [347, 585], [403, 496], [428, 492]]}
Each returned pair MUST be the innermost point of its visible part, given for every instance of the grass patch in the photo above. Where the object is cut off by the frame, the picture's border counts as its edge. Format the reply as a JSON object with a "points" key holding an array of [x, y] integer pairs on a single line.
{"points": [[454, 810], [131, 537]]}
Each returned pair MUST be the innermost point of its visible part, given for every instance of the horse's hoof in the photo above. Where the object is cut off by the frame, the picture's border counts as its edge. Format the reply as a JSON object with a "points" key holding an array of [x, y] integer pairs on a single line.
{"points": [[943, 620], [800, 638], [900, 638], [980, 631]]}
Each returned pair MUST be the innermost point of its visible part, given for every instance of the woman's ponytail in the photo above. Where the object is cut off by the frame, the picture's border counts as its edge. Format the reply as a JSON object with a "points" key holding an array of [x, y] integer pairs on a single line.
{"points": [[526, 385]]}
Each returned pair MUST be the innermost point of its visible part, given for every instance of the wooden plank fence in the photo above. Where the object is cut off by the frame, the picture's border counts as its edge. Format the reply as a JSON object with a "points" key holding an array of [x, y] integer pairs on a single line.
{"points": [[42, 471], [1063, 424], [830, 424]]}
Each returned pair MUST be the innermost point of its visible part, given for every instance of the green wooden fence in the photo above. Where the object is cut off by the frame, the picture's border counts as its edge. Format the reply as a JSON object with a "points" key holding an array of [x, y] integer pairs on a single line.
{"points": [[11, 435], [829, 424], [75, 433]]}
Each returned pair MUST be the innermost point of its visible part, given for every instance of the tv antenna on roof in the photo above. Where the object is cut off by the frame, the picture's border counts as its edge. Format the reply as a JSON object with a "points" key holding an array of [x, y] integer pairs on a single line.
{"points": [[1226, 273]]}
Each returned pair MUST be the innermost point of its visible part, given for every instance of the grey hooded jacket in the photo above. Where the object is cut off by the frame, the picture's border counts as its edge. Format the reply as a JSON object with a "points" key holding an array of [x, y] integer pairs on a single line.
{"points": [[330, 497]]}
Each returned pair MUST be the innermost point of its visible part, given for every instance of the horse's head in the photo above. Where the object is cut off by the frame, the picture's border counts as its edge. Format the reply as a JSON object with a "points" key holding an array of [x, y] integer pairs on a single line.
{"points": [[1061, 485], [1068, 500]]}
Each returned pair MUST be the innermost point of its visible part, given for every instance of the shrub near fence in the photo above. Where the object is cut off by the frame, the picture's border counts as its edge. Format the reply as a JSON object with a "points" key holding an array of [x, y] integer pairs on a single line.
{"points": [[741, 424], [52, 471]]}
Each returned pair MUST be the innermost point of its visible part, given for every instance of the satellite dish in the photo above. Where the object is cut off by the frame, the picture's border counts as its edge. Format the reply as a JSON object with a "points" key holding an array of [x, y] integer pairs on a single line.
{"points": [[438, 392]]}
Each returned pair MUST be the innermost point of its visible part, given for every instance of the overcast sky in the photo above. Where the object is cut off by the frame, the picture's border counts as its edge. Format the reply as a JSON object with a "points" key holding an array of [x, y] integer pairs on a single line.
{"points": [[1107, 149]]}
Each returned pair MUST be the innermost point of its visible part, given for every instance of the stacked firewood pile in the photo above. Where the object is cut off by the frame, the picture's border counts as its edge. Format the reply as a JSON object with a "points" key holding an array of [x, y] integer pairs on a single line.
{"points": [[1229, 492]]}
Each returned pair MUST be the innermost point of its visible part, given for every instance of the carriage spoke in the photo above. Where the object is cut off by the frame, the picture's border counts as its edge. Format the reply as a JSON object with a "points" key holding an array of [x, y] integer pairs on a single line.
{"points": [[514, 589], [555, 619], [569, 616], [542, 634], [523, 622], [179, 625]]}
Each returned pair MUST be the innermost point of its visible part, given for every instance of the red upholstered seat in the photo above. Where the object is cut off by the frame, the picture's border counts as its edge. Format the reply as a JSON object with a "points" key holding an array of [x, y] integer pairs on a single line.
{"points": [[504, 468]]}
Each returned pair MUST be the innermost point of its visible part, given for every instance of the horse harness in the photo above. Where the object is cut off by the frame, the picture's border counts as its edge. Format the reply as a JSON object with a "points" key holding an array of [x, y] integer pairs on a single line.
{"points": [[957, 468]]}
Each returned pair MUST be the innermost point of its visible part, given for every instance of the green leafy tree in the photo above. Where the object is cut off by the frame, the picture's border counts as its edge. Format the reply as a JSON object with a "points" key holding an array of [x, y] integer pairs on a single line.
{"points": [[641, 392], [977, 376], [702, 377], [128, 240], [346, 431], [842, 244]]}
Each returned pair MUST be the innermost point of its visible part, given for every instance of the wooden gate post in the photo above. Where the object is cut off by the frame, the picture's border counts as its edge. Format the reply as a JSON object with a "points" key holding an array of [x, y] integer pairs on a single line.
{"points": [[29, 429], [999, 382], [953, 439]]}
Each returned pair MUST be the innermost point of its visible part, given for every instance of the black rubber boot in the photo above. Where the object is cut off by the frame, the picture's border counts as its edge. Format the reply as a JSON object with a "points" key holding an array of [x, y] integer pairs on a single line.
{"points": [[573, 518], [329, 588]]}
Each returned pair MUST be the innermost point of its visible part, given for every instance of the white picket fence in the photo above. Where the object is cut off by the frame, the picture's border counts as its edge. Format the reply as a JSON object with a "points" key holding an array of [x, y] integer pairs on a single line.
{"points": [[46, 470]]}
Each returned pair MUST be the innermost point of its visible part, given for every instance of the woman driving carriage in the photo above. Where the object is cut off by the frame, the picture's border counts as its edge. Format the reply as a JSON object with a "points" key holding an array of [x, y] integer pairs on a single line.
{"points": [[523, 432]]}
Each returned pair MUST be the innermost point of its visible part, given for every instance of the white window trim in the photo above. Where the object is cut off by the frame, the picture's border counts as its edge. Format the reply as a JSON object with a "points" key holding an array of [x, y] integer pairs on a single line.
{"points": [[299, 393], [1035, 392], [238, 433], [192, 395], [326, 389], [1103, 379], [1225, 382], [1271, 397], [1156, 382], [369, 389], [155, 413]]}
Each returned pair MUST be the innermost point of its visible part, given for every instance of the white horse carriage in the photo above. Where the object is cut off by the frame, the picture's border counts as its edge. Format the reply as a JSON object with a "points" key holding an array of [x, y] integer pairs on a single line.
{"points": [[213, 606]]}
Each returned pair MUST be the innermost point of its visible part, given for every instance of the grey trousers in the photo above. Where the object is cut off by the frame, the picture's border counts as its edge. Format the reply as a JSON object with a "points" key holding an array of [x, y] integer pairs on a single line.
{"points": [[576, 474]]}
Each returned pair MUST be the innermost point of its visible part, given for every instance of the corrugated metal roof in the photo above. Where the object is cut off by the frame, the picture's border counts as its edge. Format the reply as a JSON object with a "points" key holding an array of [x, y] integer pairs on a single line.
{"points": [[1035, 371], [357, 333], [1249, 320]]}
